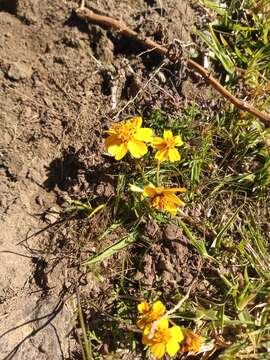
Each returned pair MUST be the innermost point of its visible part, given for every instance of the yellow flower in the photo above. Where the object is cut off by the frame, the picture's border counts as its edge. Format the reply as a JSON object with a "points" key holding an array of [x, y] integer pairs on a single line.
{"points": [[166, 146], [165, 339], [164, 198], [128, 136], [192, 342], [150, 313]]}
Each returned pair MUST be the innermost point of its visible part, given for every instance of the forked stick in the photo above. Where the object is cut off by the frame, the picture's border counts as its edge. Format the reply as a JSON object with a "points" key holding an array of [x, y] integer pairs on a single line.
{"points": [[119, 25], [171, 311]]}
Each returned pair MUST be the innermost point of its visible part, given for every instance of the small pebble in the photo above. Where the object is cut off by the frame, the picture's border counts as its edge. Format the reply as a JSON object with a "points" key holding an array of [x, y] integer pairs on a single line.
{"points": [[18, 71]]}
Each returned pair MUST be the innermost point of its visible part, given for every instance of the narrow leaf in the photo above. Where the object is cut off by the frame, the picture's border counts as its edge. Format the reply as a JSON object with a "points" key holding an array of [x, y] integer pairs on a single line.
{"points": [[217, 242], [111, 250]]}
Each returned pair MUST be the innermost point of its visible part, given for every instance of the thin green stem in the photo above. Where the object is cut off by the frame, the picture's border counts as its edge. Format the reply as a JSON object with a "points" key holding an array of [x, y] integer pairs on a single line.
{"points": [[86, 343], [158, 173]]}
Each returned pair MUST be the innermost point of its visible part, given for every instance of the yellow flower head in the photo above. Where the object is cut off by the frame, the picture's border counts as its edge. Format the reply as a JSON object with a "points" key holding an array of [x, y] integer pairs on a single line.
{"points": [[165, 340], [192, 342], [166, 146], [150, 313], [128, 136], [164, 198]]}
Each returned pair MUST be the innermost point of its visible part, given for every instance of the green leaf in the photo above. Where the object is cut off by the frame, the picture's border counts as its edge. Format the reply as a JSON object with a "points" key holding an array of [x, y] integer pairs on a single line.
{"points": [[214, 6], [218, 50], [111, 250]]}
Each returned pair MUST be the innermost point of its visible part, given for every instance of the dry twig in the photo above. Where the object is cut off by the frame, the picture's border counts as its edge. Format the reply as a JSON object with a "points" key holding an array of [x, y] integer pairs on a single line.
{"points": [[171, 311], [118, 25]]}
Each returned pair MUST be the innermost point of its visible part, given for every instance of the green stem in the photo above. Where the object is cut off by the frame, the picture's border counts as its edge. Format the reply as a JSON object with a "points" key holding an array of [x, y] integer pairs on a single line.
{"points": [[86, 343], [158, 173], [139, 167]]}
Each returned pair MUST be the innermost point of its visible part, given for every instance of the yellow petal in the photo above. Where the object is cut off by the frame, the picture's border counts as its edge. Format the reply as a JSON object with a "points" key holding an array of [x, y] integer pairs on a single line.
{"points": [[158, 350], [135, 188], [137, 148], [163, 324], [174, 155], [158, 307], [157, 142], [178, 140], [144, 134], [176, 333], [167, 134], [162, 155], [172, 202], [174, 199], [192, 342], [146, 341], [143, 307], [150, 190], [112, 150], [121, 151], [112, 131], [136, 121], [172, 348], [146, 330], [182, 203], [171, 208], [141, 323], [174, 190], [112, 143]]}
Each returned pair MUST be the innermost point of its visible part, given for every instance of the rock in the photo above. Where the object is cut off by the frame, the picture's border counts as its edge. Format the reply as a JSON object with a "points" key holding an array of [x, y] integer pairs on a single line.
{"points": [[18, 71], [40, 329], [52, 215]]}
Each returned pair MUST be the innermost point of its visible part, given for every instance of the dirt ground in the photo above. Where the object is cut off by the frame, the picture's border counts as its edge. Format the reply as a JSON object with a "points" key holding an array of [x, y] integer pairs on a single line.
{"points": [[62, 82]]}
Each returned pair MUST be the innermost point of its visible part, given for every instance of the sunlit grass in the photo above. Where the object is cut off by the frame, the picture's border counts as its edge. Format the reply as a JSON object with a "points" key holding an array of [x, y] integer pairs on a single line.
{"points": [[238, 38]]}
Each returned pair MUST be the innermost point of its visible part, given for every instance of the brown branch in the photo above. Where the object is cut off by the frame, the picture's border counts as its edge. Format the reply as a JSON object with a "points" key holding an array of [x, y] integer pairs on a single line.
{"points": [[89, 15]]}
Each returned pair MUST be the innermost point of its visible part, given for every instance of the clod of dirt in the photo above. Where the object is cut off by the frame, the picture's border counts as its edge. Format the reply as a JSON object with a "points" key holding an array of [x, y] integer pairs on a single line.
{"points": [[152, 230], [148, 275], [102, 46], [105, 190], [180, 247], [173, 262], [171, 232], [94, 287], [18, 71]]}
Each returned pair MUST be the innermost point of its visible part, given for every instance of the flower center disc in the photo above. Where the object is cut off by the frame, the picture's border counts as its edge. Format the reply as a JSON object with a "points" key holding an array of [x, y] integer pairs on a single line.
{"points": [[170, 143], [125, 132], [162, 336]]}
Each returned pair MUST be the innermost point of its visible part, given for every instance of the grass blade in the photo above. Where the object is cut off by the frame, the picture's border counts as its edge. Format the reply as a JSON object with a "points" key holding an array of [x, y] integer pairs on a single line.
{"points": [[217, 242], [86, 344], [198, 244], [111, 250]]}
